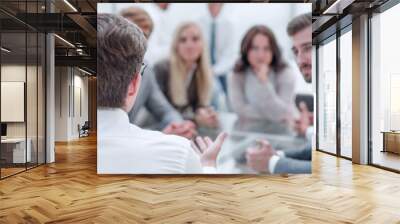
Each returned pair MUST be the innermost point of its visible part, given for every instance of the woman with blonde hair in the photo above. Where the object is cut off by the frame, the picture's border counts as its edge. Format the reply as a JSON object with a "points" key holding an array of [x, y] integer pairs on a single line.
{"points": [[150, 97], [185, 77]]}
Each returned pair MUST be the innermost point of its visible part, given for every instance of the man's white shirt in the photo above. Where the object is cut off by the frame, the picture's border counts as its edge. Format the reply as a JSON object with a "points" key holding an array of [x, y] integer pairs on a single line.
{"points": [[124, 148], [160, 41], [225, 53]]}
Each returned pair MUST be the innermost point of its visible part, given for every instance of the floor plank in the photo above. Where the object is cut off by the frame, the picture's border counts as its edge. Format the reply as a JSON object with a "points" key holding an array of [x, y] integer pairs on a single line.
{"points": [[70, 191]]}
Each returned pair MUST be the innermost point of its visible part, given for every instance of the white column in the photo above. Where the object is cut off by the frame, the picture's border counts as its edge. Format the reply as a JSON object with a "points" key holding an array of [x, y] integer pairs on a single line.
{"points": [[50, 99], [360, 90]]}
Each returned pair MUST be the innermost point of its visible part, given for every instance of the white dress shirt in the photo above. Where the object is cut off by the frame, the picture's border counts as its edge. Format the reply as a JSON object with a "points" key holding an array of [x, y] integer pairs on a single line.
{"points": [[310, 133], [160, 40], [274, 160], [123, 148], [225, 54]]}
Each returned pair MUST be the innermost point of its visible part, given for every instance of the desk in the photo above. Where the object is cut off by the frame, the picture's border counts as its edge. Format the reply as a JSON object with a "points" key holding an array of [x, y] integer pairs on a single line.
{"points": [[242, 134], [391, 141], [13, 150]]}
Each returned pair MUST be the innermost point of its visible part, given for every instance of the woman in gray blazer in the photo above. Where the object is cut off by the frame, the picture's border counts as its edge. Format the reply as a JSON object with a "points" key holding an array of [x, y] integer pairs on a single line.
{"points": [[262, 84]]}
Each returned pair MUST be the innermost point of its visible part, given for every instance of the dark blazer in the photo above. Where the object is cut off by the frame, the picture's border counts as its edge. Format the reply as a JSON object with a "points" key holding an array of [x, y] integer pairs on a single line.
{"points": [[154, 101], [162, 74], [295, 161]]}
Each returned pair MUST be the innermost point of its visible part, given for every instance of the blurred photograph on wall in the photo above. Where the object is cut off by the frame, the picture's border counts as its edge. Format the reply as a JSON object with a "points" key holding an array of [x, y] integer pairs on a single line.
{"points": [[204, 88]]}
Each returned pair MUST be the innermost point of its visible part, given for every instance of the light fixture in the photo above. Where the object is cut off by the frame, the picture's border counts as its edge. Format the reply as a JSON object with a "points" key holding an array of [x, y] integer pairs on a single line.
{"points": [[5, 50], [80, 51], [64, 40], [70, 5], [86, 72], [337, 7]]}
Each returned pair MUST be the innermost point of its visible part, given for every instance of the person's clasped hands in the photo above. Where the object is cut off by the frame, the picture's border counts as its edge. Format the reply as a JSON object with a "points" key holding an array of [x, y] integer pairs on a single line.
{"points": [[258, 157], [185, 129], [207, 117]]}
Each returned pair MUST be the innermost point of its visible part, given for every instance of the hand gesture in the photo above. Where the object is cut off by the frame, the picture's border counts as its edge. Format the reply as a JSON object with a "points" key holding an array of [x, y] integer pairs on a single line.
{"points": [[208, 150], [258, 157]]}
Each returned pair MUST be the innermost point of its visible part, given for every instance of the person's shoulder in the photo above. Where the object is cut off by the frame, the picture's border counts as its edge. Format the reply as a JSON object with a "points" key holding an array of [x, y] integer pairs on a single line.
{"points": [[287, 73], [161, 66], [238, 75], [163, 63], [245, 74], [168, 142], [147, 78]]}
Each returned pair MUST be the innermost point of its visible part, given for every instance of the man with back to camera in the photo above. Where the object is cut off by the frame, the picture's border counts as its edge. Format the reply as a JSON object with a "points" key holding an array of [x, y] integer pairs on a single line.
{"points": [[124, 148], [150, 96], [264, 158]]}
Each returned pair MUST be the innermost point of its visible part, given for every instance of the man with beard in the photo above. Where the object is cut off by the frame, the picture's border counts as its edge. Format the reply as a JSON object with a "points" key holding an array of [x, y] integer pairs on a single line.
{"points": [[264, 158]]}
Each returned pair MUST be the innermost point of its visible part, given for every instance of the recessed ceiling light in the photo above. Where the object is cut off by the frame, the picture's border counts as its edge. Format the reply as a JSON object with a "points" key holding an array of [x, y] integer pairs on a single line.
{"points": [[338, 6], [86, 72], [70, 5], [5, 50], [64, 40]]}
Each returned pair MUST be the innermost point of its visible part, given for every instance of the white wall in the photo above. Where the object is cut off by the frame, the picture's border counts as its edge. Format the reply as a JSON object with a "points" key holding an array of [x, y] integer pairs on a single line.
{"points": [[61, 103], [17, 73], [243, 15], [80, 103], [69, 82], [14, 73], [12, 100]]}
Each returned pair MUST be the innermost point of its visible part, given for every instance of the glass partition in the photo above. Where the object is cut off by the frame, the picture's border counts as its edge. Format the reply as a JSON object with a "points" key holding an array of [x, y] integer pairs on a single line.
{"points": [[23, 90], [31, 100], [346, 94], [385, 90], [14, 154], [327, 96], [41, 107]]}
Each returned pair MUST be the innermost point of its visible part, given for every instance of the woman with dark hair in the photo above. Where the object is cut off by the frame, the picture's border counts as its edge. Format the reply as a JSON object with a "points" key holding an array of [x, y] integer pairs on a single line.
{"points": [[262, 84]]}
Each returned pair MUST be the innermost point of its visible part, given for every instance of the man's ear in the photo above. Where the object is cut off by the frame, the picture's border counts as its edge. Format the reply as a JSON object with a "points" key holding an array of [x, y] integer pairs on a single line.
{"points": [[133, 88]]}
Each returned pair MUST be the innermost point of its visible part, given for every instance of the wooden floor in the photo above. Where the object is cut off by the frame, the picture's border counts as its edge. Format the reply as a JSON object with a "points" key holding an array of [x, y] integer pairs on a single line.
{"points": [[70, 191], [10, 171], [386, 159]]}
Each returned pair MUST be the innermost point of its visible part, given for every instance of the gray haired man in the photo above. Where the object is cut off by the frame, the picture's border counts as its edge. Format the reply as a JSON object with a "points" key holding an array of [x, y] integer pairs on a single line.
{"points": [[122, 147]]}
